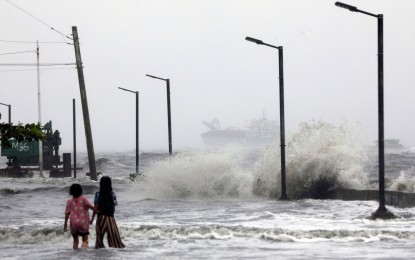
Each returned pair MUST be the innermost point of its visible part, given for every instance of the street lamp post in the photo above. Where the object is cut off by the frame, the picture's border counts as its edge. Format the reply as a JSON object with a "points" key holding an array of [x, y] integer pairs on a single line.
{"points": [[381, 212], [168, 110], [10, 112], [282, 124], [136, 129]]}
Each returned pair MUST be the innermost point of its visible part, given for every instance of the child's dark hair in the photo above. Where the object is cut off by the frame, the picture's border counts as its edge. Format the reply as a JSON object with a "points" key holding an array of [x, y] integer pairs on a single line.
{"points": [[75, 190], [105, 185], [105, 200]]}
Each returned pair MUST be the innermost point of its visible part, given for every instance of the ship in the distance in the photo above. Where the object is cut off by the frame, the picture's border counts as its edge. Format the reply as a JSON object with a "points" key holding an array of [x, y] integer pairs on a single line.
{"points": [[391, 145], [256, 134]]}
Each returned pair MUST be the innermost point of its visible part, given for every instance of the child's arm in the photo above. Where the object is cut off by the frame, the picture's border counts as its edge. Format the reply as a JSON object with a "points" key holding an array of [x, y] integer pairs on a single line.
{"points": [[65, 225], [91, 207], [95, 209]]}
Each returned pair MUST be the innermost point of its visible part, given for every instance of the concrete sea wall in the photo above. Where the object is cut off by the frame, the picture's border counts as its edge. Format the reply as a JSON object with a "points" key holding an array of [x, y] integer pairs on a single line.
{"points": [[393, 198]]}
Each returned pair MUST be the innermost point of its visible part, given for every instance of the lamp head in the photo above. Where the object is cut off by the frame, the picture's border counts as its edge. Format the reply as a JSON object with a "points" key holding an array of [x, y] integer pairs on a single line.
{"points": [[154, 77], [250, 39], [128, 90], [346, 6]]}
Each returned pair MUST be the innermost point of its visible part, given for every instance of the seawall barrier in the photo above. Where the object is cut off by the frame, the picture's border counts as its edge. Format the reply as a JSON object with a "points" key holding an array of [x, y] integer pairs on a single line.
{"points": [[393, 198]]}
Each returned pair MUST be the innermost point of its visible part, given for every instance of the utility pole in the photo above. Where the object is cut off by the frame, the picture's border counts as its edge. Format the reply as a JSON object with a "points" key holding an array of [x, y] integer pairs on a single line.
{"points": [[39, 111], [74, 137], [84, 101]]}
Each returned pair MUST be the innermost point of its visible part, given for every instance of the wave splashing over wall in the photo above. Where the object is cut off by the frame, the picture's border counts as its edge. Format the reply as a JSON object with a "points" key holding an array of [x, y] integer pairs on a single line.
{"points": [[202, 175], [320, 157]]}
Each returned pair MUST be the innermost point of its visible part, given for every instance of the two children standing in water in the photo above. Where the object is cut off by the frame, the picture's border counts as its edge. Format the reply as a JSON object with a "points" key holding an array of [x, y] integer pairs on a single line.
{"points": [[104, 206]]}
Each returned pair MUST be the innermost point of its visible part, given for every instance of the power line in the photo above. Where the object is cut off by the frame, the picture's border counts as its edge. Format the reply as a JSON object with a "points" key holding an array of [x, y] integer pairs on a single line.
{"points": [[17, 52], [36, 69], [31, 42], [35, 64], [63, 35]]}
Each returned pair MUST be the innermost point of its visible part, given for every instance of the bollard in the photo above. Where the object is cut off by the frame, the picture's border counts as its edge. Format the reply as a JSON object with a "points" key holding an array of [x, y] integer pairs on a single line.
{"points": [[67, 165]]}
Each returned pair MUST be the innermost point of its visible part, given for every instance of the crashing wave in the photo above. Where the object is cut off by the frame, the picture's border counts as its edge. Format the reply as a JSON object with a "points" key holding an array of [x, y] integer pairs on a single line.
{"points": [[321, 157]]}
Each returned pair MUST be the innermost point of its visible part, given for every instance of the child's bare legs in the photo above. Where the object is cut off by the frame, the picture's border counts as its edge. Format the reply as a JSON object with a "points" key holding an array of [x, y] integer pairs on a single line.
{"points": [[75, 241], [84, 242]]}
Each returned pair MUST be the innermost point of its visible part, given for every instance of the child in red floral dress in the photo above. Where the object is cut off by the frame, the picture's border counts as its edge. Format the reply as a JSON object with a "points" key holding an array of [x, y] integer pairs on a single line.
{"points": [[77, 210]]}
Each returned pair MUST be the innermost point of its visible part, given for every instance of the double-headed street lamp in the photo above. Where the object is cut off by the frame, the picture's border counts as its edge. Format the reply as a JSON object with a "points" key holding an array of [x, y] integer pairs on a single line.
{"points": [[168, 109], [381, 212], [136, 129], [282, 127], [10, 112]]}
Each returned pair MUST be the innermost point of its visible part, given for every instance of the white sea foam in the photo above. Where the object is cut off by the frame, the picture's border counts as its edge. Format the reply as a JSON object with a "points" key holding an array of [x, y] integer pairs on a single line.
{"points": [[404, 182], [202, 175], [27, 235], [49, 181], [24, 235], [320, 156]]}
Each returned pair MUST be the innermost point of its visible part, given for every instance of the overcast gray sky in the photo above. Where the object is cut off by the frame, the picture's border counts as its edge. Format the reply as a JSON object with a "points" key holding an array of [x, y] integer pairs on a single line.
{"points": [[330, 63]]}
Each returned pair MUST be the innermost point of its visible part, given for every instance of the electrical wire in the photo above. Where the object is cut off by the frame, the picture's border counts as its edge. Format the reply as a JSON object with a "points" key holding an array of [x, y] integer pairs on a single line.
{"points": [[31, 42], [36, 69], [17, 52], [47, 25], [35, 64]]}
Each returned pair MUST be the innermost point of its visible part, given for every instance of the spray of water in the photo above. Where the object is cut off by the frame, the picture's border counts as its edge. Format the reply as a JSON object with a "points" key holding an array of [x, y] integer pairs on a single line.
{"points": [[320, 157], [404, 182], [200, 175]]}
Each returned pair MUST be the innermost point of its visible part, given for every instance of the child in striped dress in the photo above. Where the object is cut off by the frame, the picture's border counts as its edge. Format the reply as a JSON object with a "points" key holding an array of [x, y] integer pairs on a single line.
{"points": [[105, 201]]}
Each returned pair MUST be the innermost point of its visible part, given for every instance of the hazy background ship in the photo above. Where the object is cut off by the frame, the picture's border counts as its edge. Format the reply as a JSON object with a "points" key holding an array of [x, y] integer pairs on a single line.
{"points": [[391, 145], [256, 133]]}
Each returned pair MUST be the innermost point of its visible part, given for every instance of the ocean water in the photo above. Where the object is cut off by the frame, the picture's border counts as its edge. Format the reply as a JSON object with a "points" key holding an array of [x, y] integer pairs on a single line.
{"points": [[221, 204]]}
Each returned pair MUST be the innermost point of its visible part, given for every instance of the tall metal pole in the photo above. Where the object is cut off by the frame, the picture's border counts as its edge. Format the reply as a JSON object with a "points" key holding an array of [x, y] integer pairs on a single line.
{"points": [[282, 119], [169, 116], [381, 212], [84, 101], [136, 133], [74, 137], [39, 111], [168, 110], [382, 209], [137, 137], [282, 124]]}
